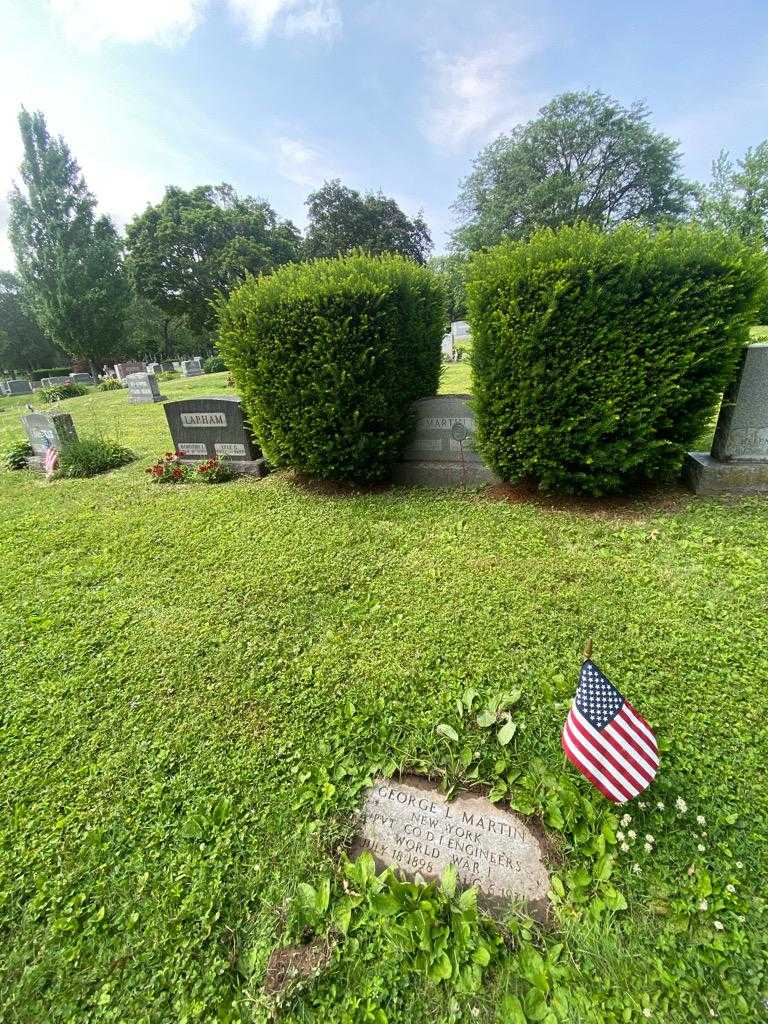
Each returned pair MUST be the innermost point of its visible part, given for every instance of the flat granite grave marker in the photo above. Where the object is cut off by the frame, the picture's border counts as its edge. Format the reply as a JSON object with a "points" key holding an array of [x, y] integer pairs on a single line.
{"points": [[441, 452], [208, 428], [47, 430], [738, 463], [143, 388], [410, 826]]}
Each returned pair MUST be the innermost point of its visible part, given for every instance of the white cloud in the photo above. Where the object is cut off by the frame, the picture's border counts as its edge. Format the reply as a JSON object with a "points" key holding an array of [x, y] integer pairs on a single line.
{"points": [[300, 163], [321, 18], [92, 22], [474, 93]]}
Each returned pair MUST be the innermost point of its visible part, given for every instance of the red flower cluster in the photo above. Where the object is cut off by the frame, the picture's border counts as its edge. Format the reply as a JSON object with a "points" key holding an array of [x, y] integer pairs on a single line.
{"points": [[169, 469]]}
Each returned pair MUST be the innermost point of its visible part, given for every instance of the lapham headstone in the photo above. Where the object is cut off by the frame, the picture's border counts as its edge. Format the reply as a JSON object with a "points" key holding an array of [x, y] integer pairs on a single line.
{"points": [[207, 428], [738, 462], [441, 453], [143, 389], [410, 826], [47, 430]]}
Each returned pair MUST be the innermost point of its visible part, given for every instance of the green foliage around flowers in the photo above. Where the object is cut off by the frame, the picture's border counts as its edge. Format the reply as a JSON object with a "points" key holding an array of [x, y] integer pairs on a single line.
{"points": [[215, 471], [170, 469], [110, 384], [60, 392], [89, 456], [598, 358], [329, 356], [16, 456]]}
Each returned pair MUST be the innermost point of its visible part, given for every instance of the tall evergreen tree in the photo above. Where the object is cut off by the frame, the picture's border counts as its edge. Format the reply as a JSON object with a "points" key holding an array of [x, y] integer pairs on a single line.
{"points": [[69, 259]]}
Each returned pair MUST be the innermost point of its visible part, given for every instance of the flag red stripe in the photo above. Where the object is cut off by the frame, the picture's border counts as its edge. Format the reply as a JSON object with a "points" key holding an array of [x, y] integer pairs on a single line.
{"points": [[611, 771], [620, 750], [630, 726], [642, 721], [626, 739], [636, 780], [587, 760], [587, 773]]}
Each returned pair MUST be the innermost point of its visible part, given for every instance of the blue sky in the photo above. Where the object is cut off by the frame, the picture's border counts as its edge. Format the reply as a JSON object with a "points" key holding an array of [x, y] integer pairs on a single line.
{"points": [[274, 96]]}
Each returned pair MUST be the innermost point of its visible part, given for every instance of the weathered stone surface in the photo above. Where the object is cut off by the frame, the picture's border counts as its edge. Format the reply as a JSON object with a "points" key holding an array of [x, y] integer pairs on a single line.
{"points": [[706, 476], [191, 368], [17, 387], [204, 428], [81, 378], [124, 369], [52, 382], [409, 825], [742, 426], [441, 453], [143, 388], [47, 430]]}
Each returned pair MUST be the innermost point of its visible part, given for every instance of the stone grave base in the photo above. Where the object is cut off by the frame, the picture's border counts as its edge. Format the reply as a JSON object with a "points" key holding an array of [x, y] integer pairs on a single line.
{"points": [[443, 474], [243, 467], [146, 399], [705, 475]]}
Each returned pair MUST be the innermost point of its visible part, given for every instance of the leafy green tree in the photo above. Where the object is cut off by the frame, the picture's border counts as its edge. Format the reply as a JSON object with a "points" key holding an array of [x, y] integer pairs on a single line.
{"points": [[69, 260], [452, 271], [342, 220], [584, 158], [194, 245], [152, 334], [23, 346]]}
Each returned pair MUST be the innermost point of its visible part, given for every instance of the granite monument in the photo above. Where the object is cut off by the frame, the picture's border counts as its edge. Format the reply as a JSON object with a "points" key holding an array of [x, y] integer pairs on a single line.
{"points": [[215, 427]]}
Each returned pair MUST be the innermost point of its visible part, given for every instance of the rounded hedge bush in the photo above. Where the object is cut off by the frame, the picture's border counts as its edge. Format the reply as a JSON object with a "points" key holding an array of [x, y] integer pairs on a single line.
{"points": [[214, 364], [599, 358], [329, 356]]}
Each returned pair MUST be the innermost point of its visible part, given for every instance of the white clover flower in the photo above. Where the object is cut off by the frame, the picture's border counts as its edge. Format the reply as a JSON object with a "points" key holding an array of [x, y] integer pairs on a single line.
{"points": [[730, 888], [660, 805], [681, 805], [649, 839], [647, 1011], [703, 905], [701, 847], [475, 1011], [712, 1013], [624, 847], [636, 869], [691, 870], [626, 819], [739, 864], [700, 819], [718, 925], [647, 847], [620, 836], [642, 803], [632, 834]]}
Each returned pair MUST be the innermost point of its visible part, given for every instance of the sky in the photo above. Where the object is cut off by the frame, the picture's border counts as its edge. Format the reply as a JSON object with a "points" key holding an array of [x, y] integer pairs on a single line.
{"points": [[277, 96]]}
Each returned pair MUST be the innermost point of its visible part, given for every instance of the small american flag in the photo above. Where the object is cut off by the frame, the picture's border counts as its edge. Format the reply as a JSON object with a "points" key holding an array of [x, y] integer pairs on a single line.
{"points": [[50, 460], [607, 740]]}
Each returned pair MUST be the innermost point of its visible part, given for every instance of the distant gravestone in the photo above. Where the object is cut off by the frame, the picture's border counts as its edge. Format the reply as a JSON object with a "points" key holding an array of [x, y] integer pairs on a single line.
{"points": [[52, 382], [47, 430], [738, 463], [168, 366], [81, 378], [410, 826], [124, 369], [191, 368], [207, 428], [154, 368], [441, 453], [143, 389], [18, 387]]}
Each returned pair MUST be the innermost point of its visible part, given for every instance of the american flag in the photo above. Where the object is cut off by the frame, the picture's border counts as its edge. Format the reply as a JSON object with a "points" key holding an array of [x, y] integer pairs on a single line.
{"points": [[50, 460], [607, 740]]}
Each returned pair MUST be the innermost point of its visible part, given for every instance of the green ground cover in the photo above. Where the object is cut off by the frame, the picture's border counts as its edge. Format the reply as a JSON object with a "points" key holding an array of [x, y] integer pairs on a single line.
{"points": [[198, 682]]}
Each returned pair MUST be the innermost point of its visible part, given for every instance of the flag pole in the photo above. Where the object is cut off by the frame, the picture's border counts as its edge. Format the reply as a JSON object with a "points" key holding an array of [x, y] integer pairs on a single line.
{"points": [[588, 649]]}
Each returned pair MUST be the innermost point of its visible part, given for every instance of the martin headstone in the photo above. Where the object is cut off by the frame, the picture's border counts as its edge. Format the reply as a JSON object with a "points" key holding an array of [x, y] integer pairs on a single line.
{"points": [[208, 428], [124, 369], [738, 462], [18, 387], [47, 430], [191, 368], [411, 826], [143, 389], [441, 453]]}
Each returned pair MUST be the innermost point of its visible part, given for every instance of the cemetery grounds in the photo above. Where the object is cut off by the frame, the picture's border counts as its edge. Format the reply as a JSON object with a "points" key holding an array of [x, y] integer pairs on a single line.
{"points": [[199, 682]]}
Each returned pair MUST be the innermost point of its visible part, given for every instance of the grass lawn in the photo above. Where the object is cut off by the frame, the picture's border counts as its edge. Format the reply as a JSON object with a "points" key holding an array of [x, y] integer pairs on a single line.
{"points": [[198, 682]]}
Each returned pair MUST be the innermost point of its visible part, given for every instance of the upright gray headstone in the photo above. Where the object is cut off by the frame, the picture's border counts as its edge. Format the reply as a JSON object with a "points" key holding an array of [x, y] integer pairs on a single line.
{"points": [[167, 366], [18, 387], [207, 428], [81, 378], [143, 389], [441, 453], [738, 463], [176, 365], [154, 368], [52, 382], [132, 366], [191, 368], [47, 430]]}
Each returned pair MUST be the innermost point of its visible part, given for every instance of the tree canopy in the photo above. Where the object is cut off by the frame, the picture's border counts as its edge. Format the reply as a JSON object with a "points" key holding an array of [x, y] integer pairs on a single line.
{"points": [[452, 271], [584, 158], [342, 220], [194, 245], [69, 260], [23, 346], [736, 199]]}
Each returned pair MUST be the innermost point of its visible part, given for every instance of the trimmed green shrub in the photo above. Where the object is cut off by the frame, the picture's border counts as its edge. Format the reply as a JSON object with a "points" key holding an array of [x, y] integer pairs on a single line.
{"points": [[52, 371], [329, 356], [214, 364], [598, 358], [90, 456], [60, 392]]}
